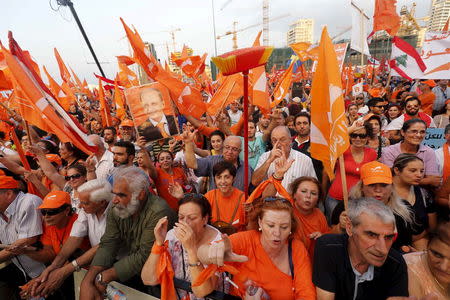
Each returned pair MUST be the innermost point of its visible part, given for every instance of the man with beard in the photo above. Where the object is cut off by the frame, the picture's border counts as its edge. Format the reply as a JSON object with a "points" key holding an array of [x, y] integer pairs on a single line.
{"points": [[110, 136], [263, 124], [129, 227], [302, 124], [127, 131], [412, 106], [123, 154], [361, 264]]}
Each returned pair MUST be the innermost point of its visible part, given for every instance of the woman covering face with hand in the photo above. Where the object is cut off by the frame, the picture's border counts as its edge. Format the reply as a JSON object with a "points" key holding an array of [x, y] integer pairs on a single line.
{"points": [[189, 233]]}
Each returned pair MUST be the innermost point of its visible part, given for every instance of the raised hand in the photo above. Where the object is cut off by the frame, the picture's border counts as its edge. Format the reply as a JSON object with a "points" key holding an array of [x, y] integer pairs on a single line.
{"points": [[176, 190], [219, 252], [188, 137], [186, 236], [161, 230], [282, 165]]}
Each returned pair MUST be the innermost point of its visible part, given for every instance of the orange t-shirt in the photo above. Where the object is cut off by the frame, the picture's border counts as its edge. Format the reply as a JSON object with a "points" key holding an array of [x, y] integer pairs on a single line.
{"points": [[427, 100], [227, 206], [260, 269], [313, 222], [163, 180], [56, 237]]}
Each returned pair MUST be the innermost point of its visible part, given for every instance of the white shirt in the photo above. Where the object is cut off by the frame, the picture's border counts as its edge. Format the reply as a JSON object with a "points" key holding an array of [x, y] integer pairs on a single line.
{"points": [[397, 123], [164, 121], [302, 166], [90, 225], [440, 158], [363, 110], [24, 221], [7, 151], [234, 116], [104, 167]]}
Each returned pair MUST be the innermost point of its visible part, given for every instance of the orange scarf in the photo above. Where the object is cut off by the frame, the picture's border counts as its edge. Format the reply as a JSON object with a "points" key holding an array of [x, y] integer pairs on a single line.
{"points": [[164, 271], [260, 189], [446, 167], [210, 271]]}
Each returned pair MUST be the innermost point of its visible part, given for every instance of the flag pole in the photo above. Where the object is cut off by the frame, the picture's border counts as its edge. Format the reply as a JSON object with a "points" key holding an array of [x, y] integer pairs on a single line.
{"points": [[246, 167], [344, 180]]}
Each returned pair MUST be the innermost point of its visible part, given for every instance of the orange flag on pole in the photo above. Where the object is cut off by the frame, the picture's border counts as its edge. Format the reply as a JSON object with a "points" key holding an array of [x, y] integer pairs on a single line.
{"points": [[42, 101], [104, 107], [230, 90], [63, 71], [329, 136], [119, 100], [283, 85], [127, 77], [385, 17], [258, 84]]}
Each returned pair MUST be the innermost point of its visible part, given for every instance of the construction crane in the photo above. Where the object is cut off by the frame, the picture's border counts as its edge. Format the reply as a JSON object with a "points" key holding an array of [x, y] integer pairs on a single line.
{"points": [[172, 35], [235, 31]]}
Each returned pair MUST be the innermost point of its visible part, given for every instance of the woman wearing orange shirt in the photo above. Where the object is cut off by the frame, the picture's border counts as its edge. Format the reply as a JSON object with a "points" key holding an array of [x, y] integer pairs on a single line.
{"points": [[166, 175], [269, 260]]}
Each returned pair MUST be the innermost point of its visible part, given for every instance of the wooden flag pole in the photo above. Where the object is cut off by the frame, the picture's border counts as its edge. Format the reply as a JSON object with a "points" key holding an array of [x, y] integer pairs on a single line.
{"points": [[246, 166], [344, 181]]}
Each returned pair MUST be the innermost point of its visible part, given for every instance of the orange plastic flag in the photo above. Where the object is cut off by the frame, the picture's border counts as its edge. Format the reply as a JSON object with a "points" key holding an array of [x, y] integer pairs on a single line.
{"points": [[42, 101], [59, 93], [230, 90], [63, 71], [104, 107], [119, 100], [329, 135], [283, 86], [258, 84], [77, 80], [123, 59], [385, 16], [127, 77]]}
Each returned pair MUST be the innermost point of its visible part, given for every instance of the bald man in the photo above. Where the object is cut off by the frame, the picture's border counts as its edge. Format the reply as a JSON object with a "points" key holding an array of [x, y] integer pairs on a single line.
{"points": [[158, 125]]}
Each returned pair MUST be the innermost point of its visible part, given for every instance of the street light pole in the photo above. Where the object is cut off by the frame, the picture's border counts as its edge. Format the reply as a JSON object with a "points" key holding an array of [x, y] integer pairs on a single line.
{"points": [[74, 13]]}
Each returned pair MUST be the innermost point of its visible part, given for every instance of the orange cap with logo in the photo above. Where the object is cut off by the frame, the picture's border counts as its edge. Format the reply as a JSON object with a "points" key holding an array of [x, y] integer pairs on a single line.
{"points": [[7, 182], [375, 172], [54, 158], [55, 199], [127, 123]]}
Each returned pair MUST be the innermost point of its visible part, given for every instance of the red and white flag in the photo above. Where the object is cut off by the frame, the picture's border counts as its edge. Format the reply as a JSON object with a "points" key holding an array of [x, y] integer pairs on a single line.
{"points": [[405, 61]]}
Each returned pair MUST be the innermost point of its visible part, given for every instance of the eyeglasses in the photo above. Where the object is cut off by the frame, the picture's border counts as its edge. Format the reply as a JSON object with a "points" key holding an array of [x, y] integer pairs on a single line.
{"points": [[414, 132], [74, 176], [234, 149], [273, 199], [360, 135], [53, 211]]}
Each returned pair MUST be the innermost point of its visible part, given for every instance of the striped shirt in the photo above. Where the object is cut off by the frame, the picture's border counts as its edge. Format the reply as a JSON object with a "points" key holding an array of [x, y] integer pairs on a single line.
{"points": [[302, 166], [24, 221]]}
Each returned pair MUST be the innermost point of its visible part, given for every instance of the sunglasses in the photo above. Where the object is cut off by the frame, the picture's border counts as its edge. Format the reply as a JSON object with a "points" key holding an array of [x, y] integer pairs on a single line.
{"points": [[379, 106], [360, 135], [272, 199], [74, 176], [53, 211], [194, 195]]}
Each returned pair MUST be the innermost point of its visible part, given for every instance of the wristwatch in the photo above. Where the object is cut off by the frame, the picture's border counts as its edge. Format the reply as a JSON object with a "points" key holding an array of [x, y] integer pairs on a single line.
{"points": [[76, 265], [99, 279]]}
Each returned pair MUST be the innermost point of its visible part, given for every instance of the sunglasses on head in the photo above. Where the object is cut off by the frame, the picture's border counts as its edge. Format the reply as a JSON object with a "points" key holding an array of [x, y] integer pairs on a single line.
{"points": [[194, 195], [74, 176], [53, 211], [272, 199], [360, 135]]}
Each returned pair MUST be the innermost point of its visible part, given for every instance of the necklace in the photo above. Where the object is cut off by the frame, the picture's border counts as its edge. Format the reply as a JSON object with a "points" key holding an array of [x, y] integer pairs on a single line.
{"points": [[62, 238]]}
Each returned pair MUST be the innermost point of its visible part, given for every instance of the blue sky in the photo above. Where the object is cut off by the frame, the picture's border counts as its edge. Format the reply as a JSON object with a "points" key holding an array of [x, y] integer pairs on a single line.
{"points": [[38, 28]]}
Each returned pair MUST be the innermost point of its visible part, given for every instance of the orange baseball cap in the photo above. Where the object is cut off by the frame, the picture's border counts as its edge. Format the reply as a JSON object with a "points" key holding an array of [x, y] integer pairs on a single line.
{"points": [[375, 172], [429, 82], [127, 123], [55, 199], [54, 158], [7, 182]]}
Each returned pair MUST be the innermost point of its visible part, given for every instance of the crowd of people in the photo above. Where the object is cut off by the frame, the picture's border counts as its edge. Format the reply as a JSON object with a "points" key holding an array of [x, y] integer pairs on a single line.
{"points": [[143, 213]]}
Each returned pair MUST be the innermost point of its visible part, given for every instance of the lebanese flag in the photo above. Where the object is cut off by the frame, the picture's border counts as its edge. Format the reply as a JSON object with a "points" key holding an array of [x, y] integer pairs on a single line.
{"points": [[42, 103], [405, 61]]}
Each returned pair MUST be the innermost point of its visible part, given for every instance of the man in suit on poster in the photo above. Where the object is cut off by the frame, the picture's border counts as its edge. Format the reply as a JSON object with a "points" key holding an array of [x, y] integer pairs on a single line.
{"points": [[158, 125]]}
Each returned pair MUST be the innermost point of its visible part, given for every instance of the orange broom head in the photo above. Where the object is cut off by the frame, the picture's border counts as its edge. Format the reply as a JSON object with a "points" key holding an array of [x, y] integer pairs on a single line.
{"points": [[242, 59]]}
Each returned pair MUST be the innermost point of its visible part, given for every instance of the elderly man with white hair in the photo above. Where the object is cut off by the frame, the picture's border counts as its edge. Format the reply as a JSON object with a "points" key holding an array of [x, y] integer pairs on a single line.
{"points": [[129, 226], [361, 264], [95, 201], [100, 164], [296, 163]]}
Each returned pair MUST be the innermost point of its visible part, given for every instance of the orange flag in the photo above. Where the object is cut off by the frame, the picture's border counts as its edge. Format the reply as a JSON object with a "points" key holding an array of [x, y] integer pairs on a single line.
{"points": [[42, 101], [64, 72], [385, 16], [329, 136], [127, 77], [65, 99], [283, 85], [77, 80], [446, 25], [85, 89], [230, 90], [305, 51], [119, 100], [104, 107], [258, 84]]}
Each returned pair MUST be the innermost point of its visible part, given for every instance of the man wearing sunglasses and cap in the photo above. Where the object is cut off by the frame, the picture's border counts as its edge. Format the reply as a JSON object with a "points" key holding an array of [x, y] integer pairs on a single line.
{"points": [[20, 227]]}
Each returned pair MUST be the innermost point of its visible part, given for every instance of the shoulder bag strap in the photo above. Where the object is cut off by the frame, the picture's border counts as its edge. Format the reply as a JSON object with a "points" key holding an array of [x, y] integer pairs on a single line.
{"points": [[217, 205], [291, 262], [236, 208]]}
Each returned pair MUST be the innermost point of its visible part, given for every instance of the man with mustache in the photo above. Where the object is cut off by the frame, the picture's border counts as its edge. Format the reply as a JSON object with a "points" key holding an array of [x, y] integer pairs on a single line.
{"points": [[361, 264], [412, 107], [129, 226]]}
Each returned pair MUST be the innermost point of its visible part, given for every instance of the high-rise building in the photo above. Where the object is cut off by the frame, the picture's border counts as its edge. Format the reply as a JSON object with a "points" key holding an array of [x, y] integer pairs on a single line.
{"points": [[440, 11], [300, 31]]}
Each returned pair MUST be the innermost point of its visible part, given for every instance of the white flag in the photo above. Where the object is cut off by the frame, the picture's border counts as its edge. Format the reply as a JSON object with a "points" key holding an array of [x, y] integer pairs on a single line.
{"points": [[359, 32]]}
